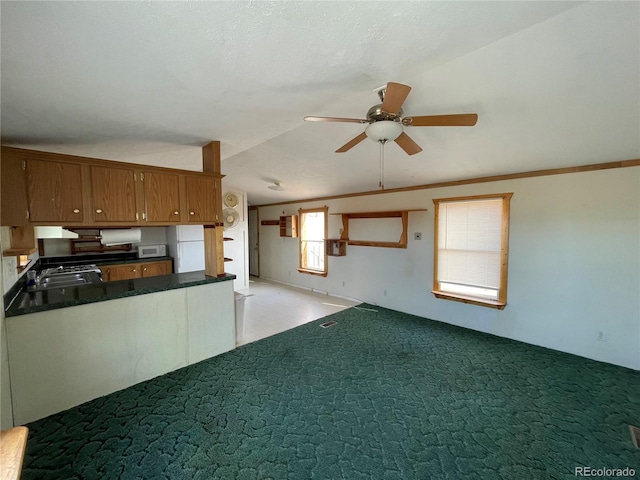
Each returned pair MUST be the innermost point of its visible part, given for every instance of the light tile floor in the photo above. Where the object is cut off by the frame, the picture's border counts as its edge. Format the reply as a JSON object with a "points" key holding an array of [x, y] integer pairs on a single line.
{"points": [[271, 308]]}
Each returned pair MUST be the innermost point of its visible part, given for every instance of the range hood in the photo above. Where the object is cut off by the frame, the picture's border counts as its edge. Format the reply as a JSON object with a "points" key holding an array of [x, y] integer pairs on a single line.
{"points": [[53, 232]]}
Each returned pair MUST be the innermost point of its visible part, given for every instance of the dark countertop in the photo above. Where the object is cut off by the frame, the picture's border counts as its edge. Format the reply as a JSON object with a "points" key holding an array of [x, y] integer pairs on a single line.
{"points": [[20, 301]]}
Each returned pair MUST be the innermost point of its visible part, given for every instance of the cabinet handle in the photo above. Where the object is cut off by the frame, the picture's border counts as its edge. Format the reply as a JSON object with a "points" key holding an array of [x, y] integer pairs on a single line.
{"points": [[75, 210], [192, 213], [144, 269], [98, 210], [133, 270], [176, 212]]}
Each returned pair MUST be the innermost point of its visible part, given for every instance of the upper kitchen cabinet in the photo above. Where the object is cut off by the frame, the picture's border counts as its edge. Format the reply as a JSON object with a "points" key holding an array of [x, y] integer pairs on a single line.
{"points": [[202, 194], [161, 198], [43, 188], [15, 207], [113, 196], [55, 192]]}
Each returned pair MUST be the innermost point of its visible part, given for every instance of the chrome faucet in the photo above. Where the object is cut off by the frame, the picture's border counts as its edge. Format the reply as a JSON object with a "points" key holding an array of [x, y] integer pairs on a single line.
{"points": [[47, 272]]}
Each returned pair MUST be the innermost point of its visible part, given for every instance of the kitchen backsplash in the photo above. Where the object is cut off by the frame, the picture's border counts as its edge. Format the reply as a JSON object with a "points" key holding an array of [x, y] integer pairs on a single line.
{"points": [[56, 247]]}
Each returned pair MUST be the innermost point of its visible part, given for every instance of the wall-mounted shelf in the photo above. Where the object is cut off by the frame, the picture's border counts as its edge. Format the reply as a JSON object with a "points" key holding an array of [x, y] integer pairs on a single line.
{"points": [[289, 226], [402, 214], [93, 245], [14, 252], [273, 223], [334, 247]]}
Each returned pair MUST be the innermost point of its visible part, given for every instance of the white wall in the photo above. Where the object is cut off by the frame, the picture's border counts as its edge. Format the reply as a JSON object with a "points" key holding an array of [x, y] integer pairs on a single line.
{"points": [[574, 267], [238, 248]]}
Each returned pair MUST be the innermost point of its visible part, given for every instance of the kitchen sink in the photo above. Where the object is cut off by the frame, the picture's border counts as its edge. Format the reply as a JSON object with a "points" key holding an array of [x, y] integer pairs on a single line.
{"points": [[69, 280], [63, 280]]}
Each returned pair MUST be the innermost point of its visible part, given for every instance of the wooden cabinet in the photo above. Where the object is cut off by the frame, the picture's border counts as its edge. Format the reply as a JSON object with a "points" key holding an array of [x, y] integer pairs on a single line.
{"points": [[55, 192], [156, 268], [129, 271], [161, 198], [201, 194], [113, 195], [44, 188]]}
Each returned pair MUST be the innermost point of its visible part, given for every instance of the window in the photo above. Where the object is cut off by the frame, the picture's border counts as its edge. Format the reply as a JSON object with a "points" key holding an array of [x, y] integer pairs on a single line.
{"points": [[313, 231], [472, 249]]}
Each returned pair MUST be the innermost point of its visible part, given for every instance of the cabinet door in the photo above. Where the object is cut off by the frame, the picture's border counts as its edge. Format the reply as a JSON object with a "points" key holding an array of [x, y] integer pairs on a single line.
{"points": [[201, 203], [161, 197], [124, 272], [15, 211], [156, 268], [55, 192], [113, 195]]}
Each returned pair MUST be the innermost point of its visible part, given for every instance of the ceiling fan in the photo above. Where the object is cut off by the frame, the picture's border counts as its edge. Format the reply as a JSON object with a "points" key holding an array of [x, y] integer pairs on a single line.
{"points": [[387, 121]]}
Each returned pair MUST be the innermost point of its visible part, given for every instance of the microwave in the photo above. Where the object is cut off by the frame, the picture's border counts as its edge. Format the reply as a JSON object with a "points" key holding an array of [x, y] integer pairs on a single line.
{"points": [[145, 251]]}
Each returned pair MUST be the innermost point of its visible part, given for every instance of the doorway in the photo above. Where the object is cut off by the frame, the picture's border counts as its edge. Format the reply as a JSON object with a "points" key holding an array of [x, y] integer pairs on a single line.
{"points": [[254, 242]]}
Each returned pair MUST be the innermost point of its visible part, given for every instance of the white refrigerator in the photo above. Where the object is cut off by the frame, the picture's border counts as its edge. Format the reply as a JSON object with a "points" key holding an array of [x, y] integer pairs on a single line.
{"points": [[186, 246]]}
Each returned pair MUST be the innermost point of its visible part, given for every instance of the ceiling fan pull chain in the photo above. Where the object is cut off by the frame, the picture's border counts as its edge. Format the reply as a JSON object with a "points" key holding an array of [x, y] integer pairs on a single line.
{"points": [[382, 142]]}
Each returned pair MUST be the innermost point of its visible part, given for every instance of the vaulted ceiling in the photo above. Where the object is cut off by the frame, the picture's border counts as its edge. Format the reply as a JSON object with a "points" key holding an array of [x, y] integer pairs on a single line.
{"points": [[554, 84]]}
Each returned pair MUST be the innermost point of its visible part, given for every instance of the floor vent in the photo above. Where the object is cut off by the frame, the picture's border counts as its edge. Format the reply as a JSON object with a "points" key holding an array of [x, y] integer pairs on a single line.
{"points": [[328, 324], [635, 435]]}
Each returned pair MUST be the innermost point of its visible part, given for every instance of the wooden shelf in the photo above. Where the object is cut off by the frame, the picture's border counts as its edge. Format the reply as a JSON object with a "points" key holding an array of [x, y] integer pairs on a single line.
{"points": [[402, 214], [379, 213], [334, 247], [14, 252], [93, 245], [289, 226]]}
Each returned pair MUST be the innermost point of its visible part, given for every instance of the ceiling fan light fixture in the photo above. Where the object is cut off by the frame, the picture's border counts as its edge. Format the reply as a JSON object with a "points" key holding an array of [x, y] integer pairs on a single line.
{"points": [[276, 186], [384, 130]]}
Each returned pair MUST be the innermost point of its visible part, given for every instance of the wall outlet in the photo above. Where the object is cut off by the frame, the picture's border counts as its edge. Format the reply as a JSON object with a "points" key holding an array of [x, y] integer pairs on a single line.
{"points": [[344, 283], [601, 337], [385, 293], [417, 236]]}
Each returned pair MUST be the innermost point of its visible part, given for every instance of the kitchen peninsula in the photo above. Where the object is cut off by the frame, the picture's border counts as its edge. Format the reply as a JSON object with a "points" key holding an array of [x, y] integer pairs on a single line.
{"points": [[101, 338]]}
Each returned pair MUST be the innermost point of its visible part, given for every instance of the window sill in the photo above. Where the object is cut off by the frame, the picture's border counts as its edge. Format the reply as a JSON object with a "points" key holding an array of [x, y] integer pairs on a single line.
{"points": [[312, 272], [482, 302]]}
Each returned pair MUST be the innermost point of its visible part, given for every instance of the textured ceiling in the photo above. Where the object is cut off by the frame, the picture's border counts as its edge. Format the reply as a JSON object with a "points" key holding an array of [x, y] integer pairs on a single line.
{"points": [[554, 84]]}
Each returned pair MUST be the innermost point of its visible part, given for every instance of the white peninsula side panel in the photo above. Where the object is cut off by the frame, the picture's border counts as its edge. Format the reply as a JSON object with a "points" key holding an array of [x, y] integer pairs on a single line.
{"points": [[61, 358], [209, 332]]}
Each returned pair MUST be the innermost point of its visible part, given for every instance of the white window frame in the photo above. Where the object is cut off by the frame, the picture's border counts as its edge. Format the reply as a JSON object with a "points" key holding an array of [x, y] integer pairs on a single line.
{"points": [[475, 295], [304, 268]]}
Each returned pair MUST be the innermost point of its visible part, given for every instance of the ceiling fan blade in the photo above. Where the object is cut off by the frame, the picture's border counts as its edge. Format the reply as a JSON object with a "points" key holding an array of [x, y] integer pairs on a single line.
{"points": [[407, 144], [394, 97], [461, 120], [334, 119], [352, 143]]}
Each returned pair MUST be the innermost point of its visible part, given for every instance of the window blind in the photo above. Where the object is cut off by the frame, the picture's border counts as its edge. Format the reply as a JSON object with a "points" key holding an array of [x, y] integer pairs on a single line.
{"points": [[469, 242]]}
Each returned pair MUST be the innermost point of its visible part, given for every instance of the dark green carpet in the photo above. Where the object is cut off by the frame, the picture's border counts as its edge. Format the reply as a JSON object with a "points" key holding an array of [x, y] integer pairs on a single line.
{"points": [[380, 395]]}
